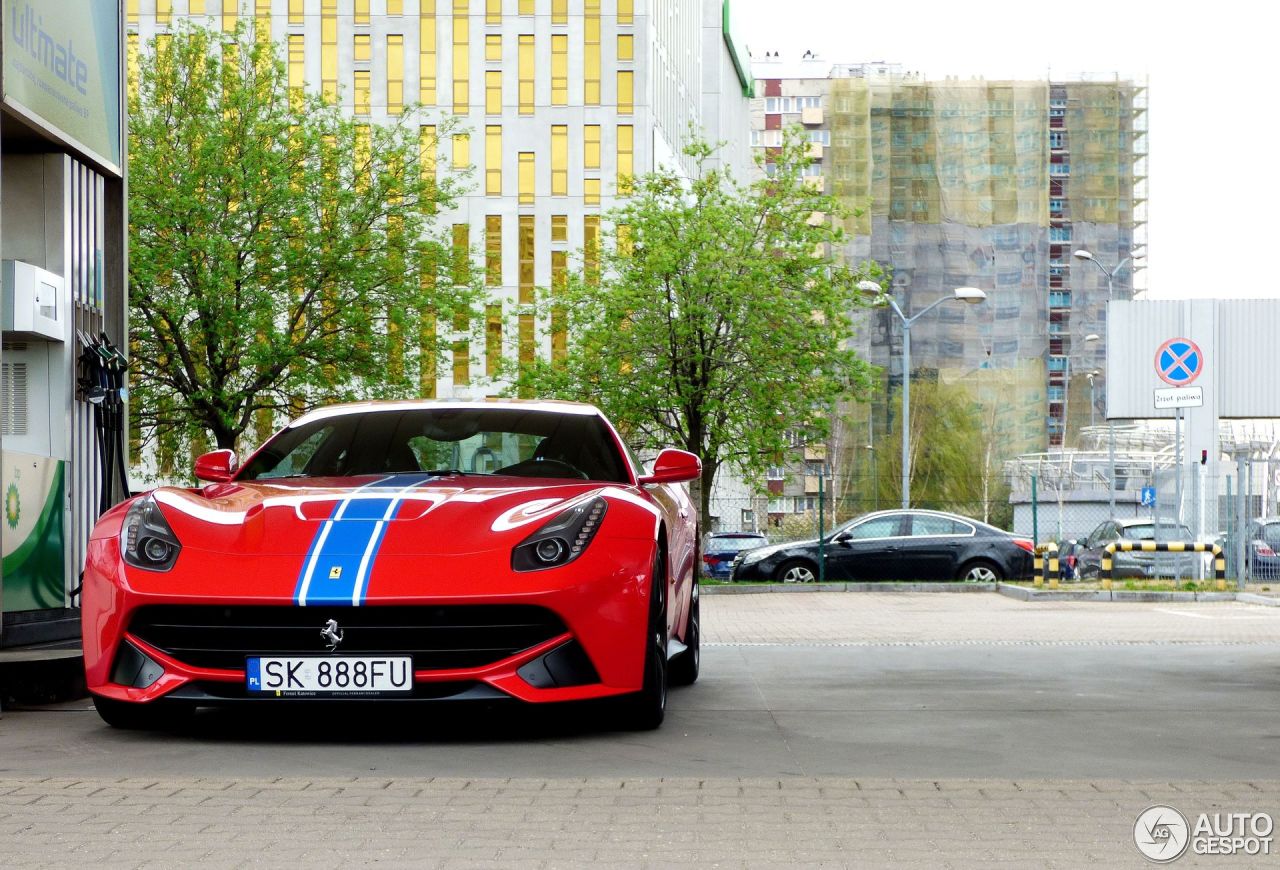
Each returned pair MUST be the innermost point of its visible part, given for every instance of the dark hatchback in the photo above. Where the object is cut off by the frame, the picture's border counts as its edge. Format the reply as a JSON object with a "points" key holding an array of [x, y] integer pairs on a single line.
{"points": [[720, 548], [897, 545]]}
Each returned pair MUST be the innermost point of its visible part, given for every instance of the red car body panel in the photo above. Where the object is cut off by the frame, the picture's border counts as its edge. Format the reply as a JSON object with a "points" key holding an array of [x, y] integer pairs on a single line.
{"points": [[450, 542]]}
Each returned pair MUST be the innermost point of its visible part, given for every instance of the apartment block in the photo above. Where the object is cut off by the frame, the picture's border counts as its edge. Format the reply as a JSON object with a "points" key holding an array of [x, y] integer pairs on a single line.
{"points": [[993, 184], [561, 102]]}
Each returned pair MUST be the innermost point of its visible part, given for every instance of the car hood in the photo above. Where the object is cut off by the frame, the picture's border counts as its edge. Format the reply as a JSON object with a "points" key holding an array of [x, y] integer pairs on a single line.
{"points": [[434, 515]]}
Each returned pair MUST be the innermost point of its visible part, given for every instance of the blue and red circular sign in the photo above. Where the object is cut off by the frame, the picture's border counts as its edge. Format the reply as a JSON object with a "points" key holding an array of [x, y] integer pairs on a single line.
{"points": [[1179, 361]]}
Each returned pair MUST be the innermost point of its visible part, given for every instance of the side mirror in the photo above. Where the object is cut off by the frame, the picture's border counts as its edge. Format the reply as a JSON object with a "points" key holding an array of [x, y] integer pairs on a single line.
{"points": [[842, 539], [674, 466], [217, 467]]}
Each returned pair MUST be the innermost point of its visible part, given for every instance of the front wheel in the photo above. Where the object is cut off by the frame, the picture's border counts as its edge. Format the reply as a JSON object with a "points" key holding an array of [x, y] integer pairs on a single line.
{"points": [[684, 670], [645, 710], [981, 571], [796, 571]]}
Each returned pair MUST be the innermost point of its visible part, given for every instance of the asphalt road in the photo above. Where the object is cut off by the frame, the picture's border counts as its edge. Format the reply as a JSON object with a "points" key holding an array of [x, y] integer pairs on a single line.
{"points": [[1081, 690]]}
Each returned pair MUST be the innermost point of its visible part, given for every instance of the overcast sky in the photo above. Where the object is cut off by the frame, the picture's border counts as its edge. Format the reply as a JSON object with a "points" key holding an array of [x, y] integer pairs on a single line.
{"points": [[1214, 210]]}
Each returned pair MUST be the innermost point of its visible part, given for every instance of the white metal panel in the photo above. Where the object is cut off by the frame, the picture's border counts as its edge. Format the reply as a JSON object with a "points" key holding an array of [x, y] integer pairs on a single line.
{"points": [[1249, 331]]}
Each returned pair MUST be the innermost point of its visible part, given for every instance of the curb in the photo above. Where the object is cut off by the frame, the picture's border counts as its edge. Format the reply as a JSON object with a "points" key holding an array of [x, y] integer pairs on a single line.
{"points": [[776, 588], [1021, 593]]}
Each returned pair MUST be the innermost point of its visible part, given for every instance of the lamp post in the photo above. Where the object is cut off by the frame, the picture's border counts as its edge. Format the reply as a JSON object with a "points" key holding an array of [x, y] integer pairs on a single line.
{"points": [[968, 295], [1083, 254]]}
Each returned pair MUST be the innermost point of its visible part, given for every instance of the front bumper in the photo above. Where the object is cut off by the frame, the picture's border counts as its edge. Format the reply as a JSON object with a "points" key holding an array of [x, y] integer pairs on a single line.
{"points": [[589, 645]]}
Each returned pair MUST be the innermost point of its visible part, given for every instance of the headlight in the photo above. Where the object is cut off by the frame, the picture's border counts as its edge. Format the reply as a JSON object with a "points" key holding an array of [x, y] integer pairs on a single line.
{"points": [[750, 557], [146, 541], [562, 540]]}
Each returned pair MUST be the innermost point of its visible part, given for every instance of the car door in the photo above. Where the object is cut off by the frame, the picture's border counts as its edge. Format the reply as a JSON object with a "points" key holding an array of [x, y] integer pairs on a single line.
{"points": [[932, 548], [867, 549], [1091, 556]]}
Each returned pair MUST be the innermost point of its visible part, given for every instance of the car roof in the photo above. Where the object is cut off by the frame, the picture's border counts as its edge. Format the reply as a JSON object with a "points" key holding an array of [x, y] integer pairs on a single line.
{"points": [[735, 534], [543, 405]]}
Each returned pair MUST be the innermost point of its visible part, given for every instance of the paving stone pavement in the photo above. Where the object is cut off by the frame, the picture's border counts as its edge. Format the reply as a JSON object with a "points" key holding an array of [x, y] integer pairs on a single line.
{"points": [[738, 823]]}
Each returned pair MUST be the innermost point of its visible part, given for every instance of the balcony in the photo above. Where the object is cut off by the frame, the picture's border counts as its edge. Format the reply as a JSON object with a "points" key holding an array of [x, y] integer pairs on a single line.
{"points": [[811, 116], [815, 148], [815, 453], [811, 484]]}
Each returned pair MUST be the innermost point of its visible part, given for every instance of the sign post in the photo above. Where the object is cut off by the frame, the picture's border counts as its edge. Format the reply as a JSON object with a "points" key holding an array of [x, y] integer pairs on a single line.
{"points": [[1179, 361]]}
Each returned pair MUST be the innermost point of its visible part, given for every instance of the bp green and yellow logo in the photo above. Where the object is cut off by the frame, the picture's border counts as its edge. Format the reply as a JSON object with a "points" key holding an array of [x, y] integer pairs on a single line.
{"points": [[12, 506]]}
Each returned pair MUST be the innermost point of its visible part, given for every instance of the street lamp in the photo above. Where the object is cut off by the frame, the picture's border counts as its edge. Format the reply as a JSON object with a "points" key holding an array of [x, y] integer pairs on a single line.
{"points": [[1082, 254], [968, 295]]}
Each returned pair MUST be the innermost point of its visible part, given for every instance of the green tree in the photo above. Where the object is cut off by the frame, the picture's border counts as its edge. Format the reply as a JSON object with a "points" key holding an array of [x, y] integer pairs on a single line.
{"points": [[953, 466], [713, 317], [281, 255]]}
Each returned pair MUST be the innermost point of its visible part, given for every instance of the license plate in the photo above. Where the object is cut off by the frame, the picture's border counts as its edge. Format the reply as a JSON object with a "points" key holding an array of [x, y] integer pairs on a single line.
{"points": [[329, 675]]}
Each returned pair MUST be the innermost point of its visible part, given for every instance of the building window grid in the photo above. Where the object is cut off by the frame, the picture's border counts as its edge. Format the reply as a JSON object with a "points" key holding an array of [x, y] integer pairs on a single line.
{"points": [[493, 11], [626, 92], [362, 48], [559, 11], [493, 92], [591, 52], [297, 9], [362, 92], [526, 178], [493, 48], [493, 250], [329, 50], [625, 164], [460, 154]]}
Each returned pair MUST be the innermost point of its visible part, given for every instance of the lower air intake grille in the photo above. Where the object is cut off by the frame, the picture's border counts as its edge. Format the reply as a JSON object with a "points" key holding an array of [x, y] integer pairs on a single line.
{"points": [[461, 636]]}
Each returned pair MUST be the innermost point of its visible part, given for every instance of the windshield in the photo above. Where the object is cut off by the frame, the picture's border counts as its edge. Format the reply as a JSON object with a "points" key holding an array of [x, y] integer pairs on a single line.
{"points": [[1147, 532], [735, 543], [482, 440]]}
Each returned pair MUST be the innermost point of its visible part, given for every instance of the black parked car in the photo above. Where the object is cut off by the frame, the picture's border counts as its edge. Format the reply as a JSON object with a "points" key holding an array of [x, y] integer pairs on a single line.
{"points": [[896, 545]]}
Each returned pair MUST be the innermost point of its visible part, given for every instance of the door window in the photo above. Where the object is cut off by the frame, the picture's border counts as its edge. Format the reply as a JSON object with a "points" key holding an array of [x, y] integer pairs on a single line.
{"points": [[878, 527], [923, 525]]}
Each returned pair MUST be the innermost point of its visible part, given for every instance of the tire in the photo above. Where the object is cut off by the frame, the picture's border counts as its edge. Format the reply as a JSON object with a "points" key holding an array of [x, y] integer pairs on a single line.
{"points": [[684, 670], [980, 571], [796, 571], [645, 710], [141, 717]]}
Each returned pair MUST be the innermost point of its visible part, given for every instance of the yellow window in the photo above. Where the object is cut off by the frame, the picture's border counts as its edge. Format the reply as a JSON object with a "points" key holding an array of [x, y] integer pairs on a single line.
{"points": [[527, 259], [526, 178], [590, 191], [427, 53], [493, 250], [427, 149], [461, 58], [626, 92], [559, 11], [626, 12], [493, 47], [591, 52], [361, 11], [492, 339], [230, 8], [591, 248], [395, 7], [526, 65], [461, 253], [261, 20], [559, 70], [559, 228], [131, 11], [493, 92], [131, 54], [362, 92], [526, 7], [559, 160], [395, 73], [626, 153], [362, 49], [164, 12], [623, 235], [297, 65], [461, 150], [493, 160], [492, 11], [296, 10], [626, 47], [329, 49], [591, 146]]}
